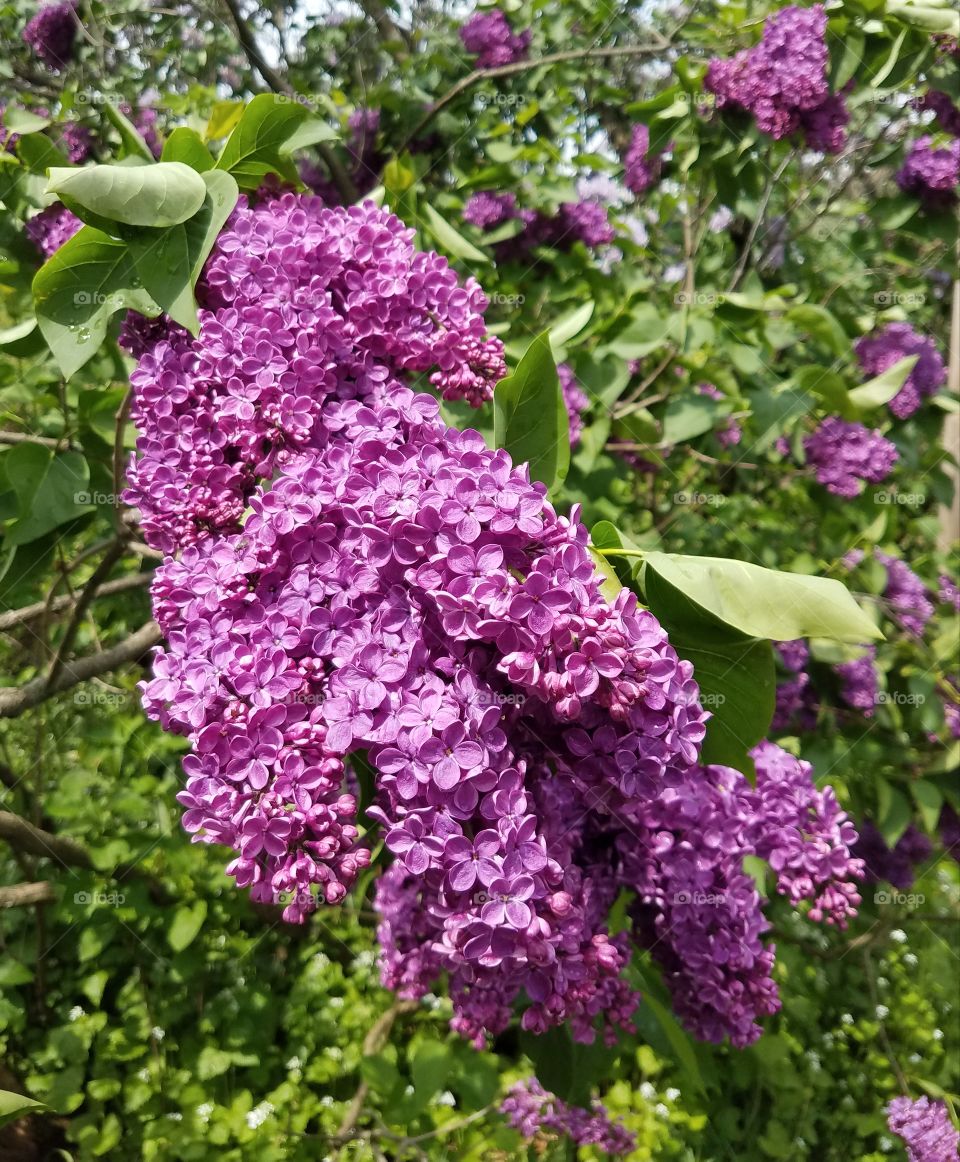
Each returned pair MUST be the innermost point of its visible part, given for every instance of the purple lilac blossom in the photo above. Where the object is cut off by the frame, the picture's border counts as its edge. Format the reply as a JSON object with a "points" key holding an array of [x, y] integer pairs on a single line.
{"points": [[845, 456], [948, 592], [586, 222], [575, 400], [530, 1109], [52, 32], [641, 170], [77, 140], [51, 228], [947, 113], [880, 350], [344, 573], [896, 865], [487, 36], [859, 682], [926, 1129], [949, 828], [488, 209], [931, 174], [144, 120], [907, 597], [783, 81]]}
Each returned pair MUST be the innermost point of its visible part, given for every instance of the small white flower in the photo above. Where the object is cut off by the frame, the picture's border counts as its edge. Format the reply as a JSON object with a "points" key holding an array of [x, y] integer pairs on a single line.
{"points": [[335, 1052], [204, 1111], [886, 1145], [293, 1063], [938, 1034], [910, 960], [846, 1019], [662, 1110], [336, 1002], [366, 959], [175, 1117], [144, 1074], [446, 1099], [899, 935], [76, 1013], [672, 1094], [321, 960], [914, 1058], [259, 1114], [157, 1033], [882, 1012], [326, 1101], [647, 1092]]}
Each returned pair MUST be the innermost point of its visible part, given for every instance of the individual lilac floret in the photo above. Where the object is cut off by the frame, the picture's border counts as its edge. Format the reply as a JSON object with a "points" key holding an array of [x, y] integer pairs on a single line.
{"points": [[896, 865], [51, 33], [783, 82], [880, 350], [931, 174], [947, 113], [576, 400], [51, 228], [529, 1108], [907, 598], [641, 169], [845, 456], [487, 209], [926, 1129], [488, 37], [859, 682]]}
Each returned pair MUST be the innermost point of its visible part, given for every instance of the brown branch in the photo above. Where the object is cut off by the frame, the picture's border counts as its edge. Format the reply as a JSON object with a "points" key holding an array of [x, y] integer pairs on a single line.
{"points": [[374, 1041], [35, 841], [10, 438], [25, 895], [27, 613], [553, 58], [274, 81], [14, 700]]}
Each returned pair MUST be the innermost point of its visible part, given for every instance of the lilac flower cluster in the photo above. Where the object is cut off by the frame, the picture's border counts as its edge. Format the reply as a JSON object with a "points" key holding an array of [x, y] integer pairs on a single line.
{"points": [[896, 865], [489, 37], [946, 112], [51, 33], [880, 350], [529, 1108], [931, 174], [51, 228], [145, 119], [77, 140], [350, 581], [731, 432], [859, 682], [783, 82], [847, 455], [908, 600], [584, 222], [796, 699], [948, 592], [575, 399], [926, 1129], [641, 169]]}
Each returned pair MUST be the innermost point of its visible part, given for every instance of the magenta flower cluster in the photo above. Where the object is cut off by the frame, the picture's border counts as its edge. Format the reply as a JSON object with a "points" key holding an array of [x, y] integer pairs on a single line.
{"points": [[51, 33], [641, 169], [930, 173], [845, 456], [908, 599], [575, 399], [584, 221], [531, 1110], [51, 228], [946, 112], [926, 1129], [782, 81], [489, 37], [796, 698], [349, 581], [77, 140], [859, 682], [880, 350]]}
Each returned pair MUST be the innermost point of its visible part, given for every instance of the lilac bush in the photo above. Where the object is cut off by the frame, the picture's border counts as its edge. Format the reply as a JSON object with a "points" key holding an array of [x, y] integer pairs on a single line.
{"points": [[641, 169]]}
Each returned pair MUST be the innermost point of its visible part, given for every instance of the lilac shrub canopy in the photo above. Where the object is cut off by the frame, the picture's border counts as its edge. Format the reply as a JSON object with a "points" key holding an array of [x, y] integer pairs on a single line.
{"points": [[347, 578]]}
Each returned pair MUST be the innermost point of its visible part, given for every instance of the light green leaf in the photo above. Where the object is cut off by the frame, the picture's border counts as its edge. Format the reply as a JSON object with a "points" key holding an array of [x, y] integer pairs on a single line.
{"points": [[880, 390], [22, 339], [15, 1105], [766, 603], [187, 146], [430, 1068], [449, 239], [821, 324], [224, 118], [22, 121], [529, 416], [186, 923], [51, 490], [253, 149], [79, 289], [132, 141], [310, 132], [571, 324], [689, 416], [158, 195]]}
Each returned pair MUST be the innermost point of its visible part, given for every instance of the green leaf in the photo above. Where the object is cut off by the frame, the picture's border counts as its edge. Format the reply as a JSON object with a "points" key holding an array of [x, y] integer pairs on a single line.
{"points": [[169, 262], [15, 1105], [449, 239], [529, 416], [158, 195], [79, 289], [51, 490], [821, 324], [566, 1067], [610, 586], [22, 121], [22, 339], [571, 324], [606, 535], [929, 800], [187, 146], [186, 923], [310, 132], [224, 118], [38, 153], [430, 1068], [880, 390], [676, 1038], [690, 416], [929, 18], [133, 143], [766, 603], [253, 149]]}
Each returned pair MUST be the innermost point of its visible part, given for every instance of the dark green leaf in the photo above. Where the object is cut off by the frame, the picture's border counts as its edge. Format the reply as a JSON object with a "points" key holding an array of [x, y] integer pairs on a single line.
{"points": [[530, 418]]}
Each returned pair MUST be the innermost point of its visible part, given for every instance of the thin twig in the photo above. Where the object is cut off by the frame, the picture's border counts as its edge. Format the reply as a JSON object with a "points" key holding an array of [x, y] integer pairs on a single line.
{"points": [[27, 613], [25, 895]]}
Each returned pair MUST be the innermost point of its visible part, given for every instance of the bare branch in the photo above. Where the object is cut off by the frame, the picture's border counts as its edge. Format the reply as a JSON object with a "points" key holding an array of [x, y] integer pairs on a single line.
{"points": [[35, 841], [27, 613], [10, 438], [16, 699], [24, 895]]}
